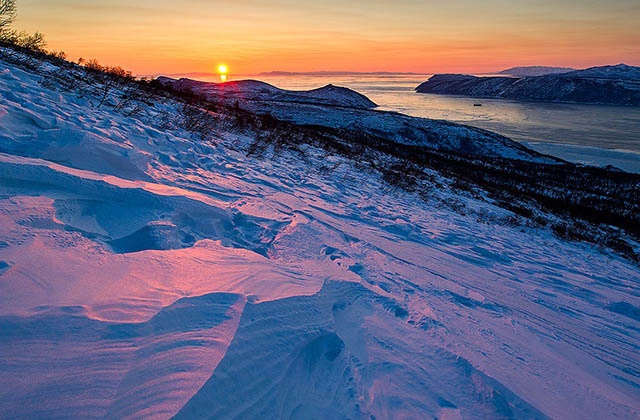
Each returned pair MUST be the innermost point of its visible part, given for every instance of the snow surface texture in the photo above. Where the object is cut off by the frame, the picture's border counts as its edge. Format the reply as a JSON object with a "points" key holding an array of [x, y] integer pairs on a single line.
{"points": [[147, 274]]}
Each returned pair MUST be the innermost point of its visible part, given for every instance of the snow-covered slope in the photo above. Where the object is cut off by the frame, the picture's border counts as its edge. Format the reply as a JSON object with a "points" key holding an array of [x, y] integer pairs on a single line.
{"points": [[146, 273], [434, 134], [617, 72]]}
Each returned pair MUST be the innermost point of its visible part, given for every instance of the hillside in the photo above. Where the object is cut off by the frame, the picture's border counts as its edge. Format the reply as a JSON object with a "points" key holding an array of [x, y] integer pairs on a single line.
{"points": [[162, 255], [335, 107], [608, 85], [254, 90], [621, 72]]}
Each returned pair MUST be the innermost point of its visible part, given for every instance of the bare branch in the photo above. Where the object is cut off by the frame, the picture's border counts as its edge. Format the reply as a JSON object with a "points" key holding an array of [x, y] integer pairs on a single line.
{"points": [[7, 14]]}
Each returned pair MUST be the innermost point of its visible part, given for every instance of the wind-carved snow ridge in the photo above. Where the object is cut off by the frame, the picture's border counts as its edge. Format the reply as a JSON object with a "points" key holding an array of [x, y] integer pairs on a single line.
{"points": [[135, 215], [325, 356], [97, 369], [146, 273]]}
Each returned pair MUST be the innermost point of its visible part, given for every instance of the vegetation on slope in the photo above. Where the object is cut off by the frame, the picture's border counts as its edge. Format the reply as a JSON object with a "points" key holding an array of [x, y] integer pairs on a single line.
{"points": [[598, 205]]}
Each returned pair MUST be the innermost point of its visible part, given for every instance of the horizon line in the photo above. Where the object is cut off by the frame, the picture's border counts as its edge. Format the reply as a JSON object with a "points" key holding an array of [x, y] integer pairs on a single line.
{"points": [[347, 73], [287, 73]]}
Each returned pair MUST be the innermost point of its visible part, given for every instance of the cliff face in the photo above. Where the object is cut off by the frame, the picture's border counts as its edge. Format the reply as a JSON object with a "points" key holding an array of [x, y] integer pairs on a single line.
{"points": [[610, 85]]}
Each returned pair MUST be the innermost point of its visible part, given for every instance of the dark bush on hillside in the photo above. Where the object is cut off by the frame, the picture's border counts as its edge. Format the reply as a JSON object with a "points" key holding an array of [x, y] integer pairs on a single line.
{"points": [[197, 120], [34, 42], [7, 15], [22, 46], [116, 71]]}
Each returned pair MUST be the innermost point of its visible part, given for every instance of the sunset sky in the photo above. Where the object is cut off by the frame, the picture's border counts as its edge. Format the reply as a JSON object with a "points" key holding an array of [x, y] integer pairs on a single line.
{"points": [[252, 36]]}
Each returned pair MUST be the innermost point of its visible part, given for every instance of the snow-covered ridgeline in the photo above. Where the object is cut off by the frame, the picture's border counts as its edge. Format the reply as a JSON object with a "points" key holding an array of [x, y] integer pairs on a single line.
{"points": [[257, 91], [341, 108]]}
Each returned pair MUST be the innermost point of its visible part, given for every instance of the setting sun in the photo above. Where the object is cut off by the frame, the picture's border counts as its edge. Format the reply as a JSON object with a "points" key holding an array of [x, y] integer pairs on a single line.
{"points": [[222, 70]]}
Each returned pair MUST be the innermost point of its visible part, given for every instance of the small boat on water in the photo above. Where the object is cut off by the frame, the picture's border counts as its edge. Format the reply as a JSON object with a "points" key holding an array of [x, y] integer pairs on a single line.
{"points": [[477, 104]]}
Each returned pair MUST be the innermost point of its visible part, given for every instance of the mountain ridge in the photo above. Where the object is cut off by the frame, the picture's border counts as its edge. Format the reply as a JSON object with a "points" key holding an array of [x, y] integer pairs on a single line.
{"points": [[256, 90], [529, 71], [605, 85]]}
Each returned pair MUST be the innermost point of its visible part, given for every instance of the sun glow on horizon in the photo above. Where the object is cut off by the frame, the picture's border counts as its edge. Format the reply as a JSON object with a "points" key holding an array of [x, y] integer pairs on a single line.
{"points": [[222, 70], [464, 36]]}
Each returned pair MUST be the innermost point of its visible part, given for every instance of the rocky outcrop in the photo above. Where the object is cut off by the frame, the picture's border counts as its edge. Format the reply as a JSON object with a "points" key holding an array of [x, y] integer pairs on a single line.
{"points": [[608, 85], [254, 90]]}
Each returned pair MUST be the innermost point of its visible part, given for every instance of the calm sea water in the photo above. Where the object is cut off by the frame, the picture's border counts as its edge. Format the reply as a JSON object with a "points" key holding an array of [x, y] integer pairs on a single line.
{"points": [[546, 127]]}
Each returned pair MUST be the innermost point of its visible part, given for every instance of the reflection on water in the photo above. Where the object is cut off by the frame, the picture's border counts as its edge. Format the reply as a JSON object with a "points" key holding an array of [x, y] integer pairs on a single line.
{"points": [[608, 127]]}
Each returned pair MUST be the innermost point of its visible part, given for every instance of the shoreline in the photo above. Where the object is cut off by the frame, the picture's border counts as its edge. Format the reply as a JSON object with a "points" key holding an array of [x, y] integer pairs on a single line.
{"points": [[626, 160]]}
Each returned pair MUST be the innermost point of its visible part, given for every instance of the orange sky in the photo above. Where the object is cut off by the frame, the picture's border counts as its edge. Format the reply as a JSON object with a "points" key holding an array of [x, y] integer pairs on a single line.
{"points": [[252, 36]]}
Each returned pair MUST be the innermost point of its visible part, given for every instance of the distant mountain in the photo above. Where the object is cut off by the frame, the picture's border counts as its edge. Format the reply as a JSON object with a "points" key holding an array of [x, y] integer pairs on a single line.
{"points": [[255, 90], [202, 74], [608, 85], [617, 72], [532, 71]]}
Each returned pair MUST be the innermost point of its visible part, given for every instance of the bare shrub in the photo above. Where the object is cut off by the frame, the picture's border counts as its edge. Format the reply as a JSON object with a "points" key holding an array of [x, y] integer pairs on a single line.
{"points": [[7, 15]]}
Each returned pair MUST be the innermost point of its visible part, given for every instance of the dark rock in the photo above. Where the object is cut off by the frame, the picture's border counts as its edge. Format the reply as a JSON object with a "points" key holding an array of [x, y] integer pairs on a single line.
{"points": [[607, 85]]}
